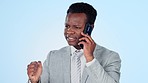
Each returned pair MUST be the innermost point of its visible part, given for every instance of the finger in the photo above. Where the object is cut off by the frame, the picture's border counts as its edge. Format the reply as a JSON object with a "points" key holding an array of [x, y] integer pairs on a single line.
{"points": [[39, 64], [34, 62], [35, 67], [82, 42], [82, 33], [85, 39], [39, 61], [85, 35], [30, 72], [88, 36], [31, 66]]}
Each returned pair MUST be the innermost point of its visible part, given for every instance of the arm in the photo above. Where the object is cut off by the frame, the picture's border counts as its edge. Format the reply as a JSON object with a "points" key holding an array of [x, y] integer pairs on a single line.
{"points": [[110, 73], [45, 74], [35, 73]]}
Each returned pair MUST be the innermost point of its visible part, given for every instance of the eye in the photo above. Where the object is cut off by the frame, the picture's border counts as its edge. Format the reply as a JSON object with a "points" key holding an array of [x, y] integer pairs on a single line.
{"points": [[78, 27], [67, 26]]}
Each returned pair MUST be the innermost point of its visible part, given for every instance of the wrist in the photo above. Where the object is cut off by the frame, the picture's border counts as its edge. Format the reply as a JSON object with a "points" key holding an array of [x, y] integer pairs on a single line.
{"points": [[90, 58]]}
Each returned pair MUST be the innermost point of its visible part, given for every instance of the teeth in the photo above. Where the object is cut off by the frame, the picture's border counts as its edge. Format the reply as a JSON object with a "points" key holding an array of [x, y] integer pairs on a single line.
{"points": [[70, 38]]}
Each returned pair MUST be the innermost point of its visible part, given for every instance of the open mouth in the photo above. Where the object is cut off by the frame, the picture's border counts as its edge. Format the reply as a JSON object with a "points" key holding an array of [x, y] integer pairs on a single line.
{"points": [[70, 39]]}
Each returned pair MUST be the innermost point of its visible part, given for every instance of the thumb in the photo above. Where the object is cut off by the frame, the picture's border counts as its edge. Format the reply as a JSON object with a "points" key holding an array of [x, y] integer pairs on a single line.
{"points": [[39, 69], [39, 64]]}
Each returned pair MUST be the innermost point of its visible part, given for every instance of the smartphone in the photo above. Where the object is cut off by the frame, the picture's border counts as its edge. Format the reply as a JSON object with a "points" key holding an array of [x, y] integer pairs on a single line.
{"points": [[87, 30]]}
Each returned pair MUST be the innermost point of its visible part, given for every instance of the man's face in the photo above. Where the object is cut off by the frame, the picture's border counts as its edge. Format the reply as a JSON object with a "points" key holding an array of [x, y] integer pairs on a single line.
{"points": [[74, 25]]}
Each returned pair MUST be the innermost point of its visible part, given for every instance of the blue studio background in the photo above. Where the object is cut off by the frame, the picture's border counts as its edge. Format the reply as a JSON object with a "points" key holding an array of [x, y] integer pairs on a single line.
{"points": [[29, 29]]}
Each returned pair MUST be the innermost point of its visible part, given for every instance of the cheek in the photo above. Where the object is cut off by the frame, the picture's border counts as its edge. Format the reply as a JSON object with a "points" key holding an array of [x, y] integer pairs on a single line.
{"points": [[79, 34]]}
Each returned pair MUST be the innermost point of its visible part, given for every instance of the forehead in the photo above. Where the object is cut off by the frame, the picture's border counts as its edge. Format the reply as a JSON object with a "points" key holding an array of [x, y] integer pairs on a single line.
{"points": [[76, 18]]}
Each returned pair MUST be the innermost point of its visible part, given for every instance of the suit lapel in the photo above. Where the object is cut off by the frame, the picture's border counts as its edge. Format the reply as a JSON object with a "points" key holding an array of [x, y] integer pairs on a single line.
{"points": [[66, 58], [66, 64]]}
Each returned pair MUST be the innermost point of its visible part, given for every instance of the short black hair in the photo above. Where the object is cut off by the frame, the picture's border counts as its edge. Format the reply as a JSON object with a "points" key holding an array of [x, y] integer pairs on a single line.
{"points": [[81, 7]]}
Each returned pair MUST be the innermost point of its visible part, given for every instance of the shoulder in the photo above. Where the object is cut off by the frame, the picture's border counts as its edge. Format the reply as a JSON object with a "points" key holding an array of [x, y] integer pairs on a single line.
{"points": [[103, 54], [59, 51], [58, 55], [104, 51], [65, 48]]}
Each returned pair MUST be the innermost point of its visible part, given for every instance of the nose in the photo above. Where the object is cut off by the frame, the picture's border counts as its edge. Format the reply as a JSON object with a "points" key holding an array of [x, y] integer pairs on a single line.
{"points": [[70, 31]]}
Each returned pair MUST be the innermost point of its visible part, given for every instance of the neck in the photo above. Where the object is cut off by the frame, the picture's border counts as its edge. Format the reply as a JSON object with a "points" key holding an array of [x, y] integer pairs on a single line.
{"points": [[78, 47]]}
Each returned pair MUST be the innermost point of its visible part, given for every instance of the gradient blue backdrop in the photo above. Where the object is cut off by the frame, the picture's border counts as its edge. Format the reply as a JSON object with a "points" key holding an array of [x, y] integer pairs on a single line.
{"points": [[29, 29]]}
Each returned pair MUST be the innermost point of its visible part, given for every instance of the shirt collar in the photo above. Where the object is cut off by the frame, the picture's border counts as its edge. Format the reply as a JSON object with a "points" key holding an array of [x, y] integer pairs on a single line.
{"points": [[73, 49]]}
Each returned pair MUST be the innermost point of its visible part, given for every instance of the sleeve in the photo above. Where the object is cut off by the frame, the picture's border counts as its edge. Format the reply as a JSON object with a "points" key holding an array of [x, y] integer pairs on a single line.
{"points": [[91, 62], [45, 77], [110, 73]]}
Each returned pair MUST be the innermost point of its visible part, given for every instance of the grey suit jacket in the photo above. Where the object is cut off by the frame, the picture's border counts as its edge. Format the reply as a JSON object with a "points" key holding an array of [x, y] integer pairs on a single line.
{"points": [[106, 68]]}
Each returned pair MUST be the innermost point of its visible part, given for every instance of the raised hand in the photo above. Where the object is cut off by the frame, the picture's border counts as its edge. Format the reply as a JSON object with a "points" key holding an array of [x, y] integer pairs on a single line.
{"points": [[89, 46], [34, 71]]}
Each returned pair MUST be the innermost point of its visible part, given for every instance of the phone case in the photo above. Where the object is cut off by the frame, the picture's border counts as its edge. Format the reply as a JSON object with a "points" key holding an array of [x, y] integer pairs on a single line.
{"points": [[87, 30]]}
